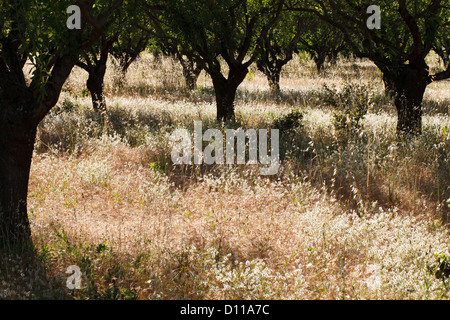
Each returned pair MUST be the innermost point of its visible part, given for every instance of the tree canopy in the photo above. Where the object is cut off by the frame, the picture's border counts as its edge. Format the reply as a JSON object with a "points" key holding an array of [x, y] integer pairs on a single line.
{"points": [[320, 39], [409, 31], [278, 46], [214, 31], [37, 32]]}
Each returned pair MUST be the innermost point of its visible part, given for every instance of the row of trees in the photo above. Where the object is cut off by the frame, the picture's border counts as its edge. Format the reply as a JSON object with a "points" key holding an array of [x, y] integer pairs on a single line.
{"points": [[203, 34], [271, 47]]}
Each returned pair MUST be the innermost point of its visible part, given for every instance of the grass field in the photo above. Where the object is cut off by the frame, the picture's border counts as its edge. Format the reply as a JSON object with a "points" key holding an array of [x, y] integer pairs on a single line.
{"points": [[354, 212]]}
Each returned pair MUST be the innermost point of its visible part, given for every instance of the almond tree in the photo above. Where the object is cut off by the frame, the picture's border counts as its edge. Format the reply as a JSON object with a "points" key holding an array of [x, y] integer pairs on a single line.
{"points": [[278, 47], [321, 40], [409, 31], [94, 61], [36, 32], [124, 41], [191, 69], [214, 32], [131, 41]]}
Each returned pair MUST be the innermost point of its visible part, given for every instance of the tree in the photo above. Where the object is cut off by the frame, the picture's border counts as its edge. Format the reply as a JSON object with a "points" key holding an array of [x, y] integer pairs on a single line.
{"points": [[191, 69], [321, 40], [37, 32], [94, 60], [278, 47], [119, 37], [442, 45], [409, 31], [211, 31], [131, 42]]}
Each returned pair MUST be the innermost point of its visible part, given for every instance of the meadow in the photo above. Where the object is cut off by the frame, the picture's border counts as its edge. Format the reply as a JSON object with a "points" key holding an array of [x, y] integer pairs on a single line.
{"points": [[355, 212]]}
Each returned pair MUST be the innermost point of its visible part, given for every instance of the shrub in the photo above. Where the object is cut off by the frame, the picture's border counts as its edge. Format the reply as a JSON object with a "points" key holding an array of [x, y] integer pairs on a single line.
{"points": [[294, 142], [289, 121], [351, 104]]}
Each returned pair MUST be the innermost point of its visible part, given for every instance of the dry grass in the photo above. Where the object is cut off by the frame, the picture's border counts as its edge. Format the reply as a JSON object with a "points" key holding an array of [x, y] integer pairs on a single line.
{"points": [[351, 215]]}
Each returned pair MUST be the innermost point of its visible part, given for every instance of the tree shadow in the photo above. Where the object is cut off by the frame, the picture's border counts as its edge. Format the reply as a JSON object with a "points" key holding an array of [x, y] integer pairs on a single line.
{"points": [[25, 276]]}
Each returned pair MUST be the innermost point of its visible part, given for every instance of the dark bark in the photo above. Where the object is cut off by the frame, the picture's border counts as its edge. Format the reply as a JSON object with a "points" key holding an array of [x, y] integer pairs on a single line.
{"points": [[21, 109], [225, 91], [274, 57], [17, 137], [23, 106], [95, 85], [333, 56], [190, 72], [274, 82], [319, 59], [272, 71], [16, 150], [96, 68], [389, 86], [410, 85], [124, 56], [225, 96]]}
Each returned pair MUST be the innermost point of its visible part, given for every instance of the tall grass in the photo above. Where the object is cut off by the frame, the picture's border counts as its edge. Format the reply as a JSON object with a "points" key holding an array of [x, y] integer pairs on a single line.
{"points": [[352, 214]]}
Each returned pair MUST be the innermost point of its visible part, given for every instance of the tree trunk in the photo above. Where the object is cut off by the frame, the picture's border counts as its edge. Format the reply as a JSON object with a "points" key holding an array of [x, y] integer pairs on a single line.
{"points": [[319, 59], [190, 73], [410, 85], [119, 79], [95, 85], [272, 71], [274, 82], [16, 151], [389, 86], [225, 90], [333, 56], [225, 95]]}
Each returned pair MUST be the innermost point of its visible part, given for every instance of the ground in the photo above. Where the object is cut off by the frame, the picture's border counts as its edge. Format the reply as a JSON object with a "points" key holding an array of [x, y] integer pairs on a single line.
{"points": [[353, 213]]}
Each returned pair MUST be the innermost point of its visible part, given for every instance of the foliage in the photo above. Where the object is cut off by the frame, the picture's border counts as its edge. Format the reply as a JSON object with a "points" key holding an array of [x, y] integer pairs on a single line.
{"points": [[351, 104], [350, 222], [278, 46], [290, 121], [402, 23], [409, 31], [211, 32], [356, 220], [131, 38], [321, 40]]}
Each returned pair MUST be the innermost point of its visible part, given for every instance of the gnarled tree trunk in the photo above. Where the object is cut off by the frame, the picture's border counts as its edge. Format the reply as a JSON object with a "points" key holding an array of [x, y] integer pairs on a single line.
{"points": [[95, 65], [225, 90], [190, 72], [272, 70], [319, 59], [17, 137], [274, 82], [22, 107], [16, 150], [95, 85], [410, 84], [389, 86]]}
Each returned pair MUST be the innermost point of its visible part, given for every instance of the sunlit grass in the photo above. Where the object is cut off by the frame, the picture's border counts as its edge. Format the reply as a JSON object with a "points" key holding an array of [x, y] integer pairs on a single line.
{"points": [[350, 215]]}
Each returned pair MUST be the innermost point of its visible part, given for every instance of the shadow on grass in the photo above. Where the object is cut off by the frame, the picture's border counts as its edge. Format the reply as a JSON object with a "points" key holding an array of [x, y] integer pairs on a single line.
{"points": [[24, 276]]}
